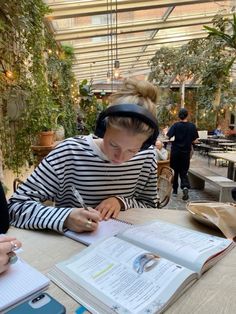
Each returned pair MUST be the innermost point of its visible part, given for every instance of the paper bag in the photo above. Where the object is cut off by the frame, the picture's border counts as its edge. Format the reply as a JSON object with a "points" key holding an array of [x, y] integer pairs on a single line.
{"points": [[222, 215]]}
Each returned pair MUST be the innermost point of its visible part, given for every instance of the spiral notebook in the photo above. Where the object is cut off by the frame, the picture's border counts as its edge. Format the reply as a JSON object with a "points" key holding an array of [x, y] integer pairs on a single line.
{"points": [[105, 229], [19, 282]]}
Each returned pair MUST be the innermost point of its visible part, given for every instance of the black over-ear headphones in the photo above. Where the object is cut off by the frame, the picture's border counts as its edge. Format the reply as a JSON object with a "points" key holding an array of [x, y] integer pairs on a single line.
{"points": [[132, 111]]}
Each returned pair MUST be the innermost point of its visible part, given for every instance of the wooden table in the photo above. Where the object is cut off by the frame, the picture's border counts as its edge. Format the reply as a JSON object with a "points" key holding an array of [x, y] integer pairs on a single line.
{"points": [[214, 292], [226, 145], [218, 140], [231, 158]]}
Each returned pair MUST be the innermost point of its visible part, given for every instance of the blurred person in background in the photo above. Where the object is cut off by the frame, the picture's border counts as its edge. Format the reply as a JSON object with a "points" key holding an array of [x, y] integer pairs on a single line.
{"points": [[185, 134], [161, 152]]}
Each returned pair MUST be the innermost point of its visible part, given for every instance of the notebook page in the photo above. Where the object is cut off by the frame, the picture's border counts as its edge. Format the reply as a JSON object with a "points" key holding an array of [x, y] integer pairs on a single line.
{"points": [[20, 281], [105, 229]]}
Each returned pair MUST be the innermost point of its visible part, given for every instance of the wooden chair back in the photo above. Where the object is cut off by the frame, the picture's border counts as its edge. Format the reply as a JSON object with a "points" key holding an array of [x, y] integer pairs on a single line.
{"points": [[16, 183], [164, 186], [161, 164]]}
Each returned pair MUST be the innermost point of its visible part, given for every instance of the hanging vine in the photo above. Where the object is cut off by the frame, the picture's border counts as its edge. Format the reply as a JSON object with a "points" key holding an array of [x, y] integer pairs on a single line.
{"points": [[25, 76]]}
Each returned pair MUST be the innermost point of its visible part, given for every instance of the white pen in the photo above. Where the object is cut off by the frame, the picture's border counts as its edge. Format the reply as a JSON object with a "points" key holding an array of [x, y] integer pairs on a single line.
{"points": [[79, 197]]}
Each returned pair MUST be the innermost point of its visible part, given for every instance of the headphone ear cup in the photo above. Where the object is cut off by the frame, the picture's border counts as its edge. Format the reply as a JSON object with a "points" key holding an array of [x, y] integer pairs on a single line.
{"points": [[145, 145], [100, 128], [151, 140]]}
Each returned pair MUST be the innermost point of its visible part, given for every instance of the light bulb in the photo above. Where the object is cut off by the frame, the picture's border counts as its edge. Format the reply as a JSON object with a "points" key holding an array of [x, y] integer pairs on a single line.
{"points": [[9, 74], [116, 73], [108, 77]]}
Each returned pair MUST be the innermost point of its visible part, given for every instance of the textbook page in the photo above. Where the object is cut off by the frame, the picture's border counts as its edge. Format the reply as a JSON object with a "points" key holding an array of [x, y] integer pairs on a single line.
{"points": [[19, 282], [181, 245], [106, 278], [106, 228]]}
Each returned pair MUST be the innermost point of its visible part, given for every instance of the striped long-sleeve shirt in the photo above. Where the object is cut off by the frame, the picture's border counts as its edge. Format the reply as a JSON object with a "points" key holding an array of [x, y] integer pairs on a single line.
{"points": [[78, 161]]}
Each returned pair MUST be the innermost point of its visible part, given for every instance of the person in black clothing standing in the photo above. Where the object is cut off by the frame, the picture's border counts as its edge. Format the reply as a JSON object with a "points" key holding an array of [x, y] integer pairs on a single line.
{"points": [[185, 134]]}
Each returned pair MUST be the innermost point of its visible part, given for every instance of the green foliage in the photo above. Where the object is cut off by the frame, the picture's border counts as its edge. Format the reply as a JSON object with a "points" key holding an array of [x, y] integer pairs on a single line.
{"points": [[224, 30], [214, 71], [208, 61], [206, 120], [90, 106], [62, 85], [40, 71], [163, 115], [172, 63]]}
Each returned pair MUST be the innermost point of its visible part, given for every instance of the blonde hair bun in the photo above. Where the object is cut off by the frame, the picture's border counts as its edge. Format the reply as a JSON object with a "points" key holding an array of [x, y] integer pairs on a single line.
{"points": [[143, 89], [137, 92]]}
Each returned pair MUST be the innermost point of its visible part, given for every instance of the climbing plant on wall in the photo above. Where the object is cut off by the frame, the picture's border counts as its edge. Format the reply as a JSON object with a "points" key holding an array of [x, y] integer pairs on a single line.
{"points": [[62, 84], [26, 50], [90, 106]]}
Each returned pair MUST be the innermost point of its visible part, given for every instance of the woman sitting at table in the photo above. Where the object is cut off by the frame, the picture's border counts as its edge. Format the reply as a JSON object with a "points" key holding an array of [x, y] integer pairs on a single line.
{"points": [[7, 244], [161, 152], [114, 170], [218, 131]]}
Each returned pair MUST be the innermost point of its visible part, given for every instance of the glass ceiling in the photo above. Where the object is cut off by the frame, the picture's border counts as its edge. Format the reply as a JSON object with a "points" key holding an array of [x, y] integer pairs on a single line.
{"points": [[102, 31]]}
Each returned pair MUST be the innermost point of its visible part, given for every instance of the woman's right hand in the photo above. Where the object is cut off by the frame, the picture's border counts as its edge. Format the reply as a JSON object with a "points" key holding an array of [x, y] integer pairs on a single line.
{"points": [[80, 220], [7, 246]]}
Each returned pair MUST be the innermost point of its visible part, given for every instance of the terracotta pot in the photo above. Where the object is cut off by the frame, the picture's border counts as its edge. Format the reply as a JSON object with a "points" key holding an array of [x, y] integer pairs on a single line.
{"points": [[46, 138]]}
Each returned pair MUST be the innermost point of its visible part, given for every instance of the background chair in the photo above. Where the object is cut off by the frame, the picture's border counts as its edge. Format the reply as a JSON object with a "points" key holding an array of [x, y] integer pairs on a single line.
{"points": [[164, 186], [161, 164], [16, 183]]}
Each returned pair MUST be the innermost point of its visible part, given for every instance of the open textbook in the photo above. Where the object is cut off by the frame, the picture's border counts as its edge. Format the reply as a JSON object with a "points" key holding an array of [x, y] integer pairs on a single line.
{"points": [[20, 282], [141, 270]]}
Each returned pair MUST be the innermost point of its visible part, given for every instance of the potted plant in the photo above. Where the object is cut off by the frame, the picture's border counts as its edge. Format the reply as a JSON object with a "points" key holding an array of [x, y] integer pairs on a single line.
{"points": [[49, 126]]}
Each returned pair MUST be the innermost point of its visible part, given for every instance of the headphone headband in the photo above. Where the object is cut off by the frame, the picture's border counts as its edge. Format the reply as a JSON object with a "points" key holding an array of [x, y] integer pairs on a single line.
{"points": [[132, 111]]}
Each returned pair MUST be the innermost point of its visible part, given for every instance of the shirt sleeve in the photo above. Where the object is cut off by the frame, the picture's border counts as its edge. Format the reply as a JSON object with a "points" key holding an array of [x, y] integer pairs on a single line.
{"points": [[26, 206], [196, 135], [171, 131]]}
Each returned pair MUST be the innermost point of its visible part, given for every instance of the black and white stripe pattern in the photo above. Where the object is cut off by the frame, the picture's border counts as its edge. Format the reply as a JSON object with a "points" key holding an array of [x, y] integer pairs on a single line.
{"points": [[78, 161]]}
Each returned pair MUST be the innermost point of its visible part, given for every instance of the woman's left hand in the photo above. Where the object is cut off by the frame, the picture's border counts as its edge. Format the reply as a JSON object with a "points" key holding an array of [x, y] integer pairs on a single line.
{"points": [[108, 208], [7, 247]]}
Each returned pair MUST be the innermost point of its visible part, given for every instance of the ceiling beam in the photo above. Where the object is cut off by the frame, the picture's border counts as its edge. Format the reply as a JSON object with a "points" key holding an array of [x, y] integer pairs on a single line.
{"points": [[123, 54], [98, 78], [69, 9], [139, 42], [99, 56], [131, 27], [104, 68], [99, 66], [103, 72]]}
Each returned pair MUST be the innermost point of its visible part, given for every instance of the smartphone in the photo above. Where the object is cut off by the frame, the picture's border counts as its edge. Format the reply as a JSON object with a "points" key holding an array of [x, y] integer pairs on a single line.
{"points": [[42, 303]]}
